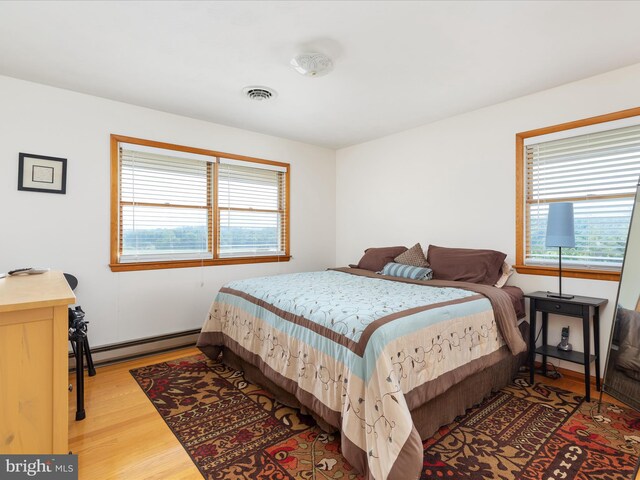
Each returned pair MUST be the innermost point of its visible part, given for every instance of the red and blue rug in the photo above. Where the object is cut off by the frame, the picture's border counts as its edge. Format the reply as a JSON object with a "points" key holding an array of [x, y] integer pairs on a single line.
{"points": [[233, 429]]}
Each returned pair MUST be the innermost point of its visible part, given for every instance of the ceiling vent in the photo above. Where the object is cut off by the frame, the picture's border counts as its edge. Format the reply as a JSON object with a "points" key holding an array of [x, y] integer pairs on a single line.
{"points": [[259, 93]]}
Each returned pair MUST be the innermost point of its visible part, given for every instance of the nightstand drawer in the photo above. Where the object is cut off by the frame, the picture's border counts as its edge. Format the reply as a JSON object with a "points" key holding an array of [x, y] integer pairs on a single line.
{"points": [[552, 306]]}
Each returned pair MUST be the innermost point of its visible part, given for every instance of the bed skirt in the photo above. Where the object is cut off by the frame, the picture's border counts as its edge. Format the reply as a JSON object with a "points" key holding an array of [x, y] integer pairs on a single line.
{"points": [[444, 408], [428, 417]]}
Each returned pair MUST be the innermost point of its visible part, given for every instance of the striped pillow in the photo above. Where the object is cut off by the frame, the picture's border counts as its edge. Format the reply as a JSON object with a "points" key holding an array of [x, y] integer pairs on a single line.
{"points": [[407, 271]]}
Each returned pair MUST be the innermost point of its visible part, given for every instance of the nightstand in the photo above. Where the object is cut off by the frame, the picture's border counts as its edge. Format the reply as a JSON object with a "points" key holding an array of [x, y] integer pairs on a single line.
{"points": [[577, 306]]}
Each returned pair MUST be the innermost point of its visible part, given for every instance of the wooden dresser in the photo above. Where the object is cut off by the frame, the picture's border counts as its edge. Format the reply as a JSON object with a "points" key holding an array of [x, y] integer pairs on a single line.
{"points": [[34, 363]]}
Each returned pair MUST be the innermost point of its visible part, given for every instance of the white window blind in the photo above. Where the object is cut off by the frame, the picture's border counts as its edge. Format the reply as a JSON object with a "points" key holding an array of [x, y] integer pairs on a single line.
{"points": [[165, 205], [251, 208], [598, 172]]}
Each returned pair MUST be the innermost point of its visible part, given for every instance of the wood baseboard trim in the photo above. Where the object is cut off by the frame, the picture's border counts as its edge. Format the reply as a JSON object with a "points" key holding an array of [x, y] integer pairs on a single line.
{"points": [[123, 351]]}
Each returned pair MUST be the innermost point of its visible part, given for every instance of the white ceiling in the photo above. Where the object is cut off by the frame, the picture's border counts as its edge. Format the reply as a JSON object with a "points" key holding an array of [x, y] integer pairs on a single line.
{"points": [[396, 64]]}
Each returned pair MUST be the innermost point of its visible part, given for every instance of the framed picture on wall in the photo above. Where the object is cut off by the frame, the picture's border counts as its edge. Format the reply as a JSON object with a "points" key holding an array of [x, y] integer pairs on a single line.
{"points": [[38, 173]]}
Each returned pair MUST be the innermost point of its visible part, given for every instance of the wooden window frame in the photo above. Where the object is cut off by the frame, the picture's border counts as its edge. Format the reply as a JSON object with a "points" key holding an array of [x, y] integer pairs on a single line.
{"points": [[212, 175], [520, 267]]}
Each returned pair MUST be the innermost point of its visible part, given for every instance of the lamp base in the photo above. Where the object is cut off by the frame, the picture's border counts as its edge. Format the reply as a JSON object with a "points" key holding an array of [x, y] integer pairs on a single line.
{"points": [[560, 295]]}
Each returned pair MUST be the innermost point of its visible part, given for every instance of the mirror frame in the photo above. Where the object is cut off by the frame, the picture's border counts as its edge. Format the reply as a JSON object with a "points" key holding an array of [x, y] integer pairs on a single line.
{"points": [[605, 387]]}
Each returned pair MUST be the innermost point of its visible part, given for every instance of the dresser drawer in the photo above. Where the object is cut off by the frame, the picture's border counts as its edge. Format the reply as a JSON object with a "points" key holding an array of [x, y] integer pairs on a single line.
{"points": [[552, 306]]}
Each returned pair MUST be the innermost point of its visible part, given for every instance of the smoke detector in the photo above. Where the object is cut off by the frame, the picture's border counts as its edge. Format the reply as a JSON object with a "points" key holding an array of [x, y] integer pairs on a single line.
{"points": [[312, 64], [259, 93]]}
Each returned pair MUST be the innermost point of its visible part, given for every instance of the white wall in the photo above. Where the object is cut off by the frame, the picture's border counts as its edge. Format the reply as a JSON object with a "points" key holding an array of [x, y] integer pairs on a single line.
{"points": [[71, 232], [452, 183], [448, 183]]}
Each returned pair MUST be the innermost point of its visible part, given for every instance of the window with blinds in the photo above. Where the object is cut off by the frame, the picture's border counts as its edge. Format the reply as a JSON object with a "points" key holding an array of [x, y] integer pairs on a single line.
{"points": [[165, 205], [251, 209], [598, 172], [180, 206]]}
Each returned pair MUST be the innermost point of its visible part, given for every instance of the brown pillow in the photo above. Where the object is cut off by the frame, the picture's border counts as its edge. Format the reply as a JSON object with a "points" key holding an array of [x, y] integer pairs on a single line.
{"points": [[465, 264], [414, 257], [629, 351], [375, 259]]}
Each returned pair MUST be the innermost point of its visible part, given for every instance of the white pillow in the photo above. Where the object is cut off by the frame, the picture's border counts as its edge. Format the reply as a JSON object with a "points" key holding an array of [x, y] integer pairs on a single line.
{"points": [[507, 271]]}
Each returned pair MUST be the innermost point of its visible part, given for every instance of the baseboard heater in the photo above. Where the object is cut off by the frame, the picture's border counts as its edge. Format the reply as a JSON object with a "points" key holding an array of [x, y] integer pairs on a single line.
{"points": [[120, 352]]}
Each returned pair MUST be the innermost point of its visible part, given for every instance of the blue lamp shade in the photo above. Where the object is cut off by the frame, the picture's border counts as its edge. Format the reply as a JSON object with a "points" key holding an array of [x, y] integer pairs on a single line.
{"points": [[560, 225]]}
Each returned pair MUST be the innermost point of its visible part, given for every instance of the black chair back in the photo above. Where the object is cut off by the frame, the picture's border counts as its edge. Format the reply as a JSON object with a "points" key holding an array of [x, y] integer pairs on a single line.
{"points": [[71, 280]]}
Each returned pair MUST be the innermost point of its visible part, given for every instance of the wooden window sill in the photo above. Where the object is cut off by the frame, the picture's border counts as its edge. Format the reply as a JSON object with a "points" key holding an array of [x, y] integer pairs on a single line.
{"points": [[125, 267], [606, 275]]}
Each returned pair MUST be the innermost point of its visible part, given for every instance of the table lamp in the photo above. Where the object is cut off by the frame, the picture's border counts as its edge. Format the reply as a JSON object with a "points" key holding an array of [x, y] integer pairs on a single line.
{"points": [[560, 233]]}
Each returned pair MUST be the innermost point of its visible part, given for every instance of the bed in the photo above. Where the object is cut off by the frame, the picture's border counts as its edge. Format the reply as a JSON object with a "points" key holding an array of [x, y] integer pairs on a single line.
{"points": [[385, 360]]}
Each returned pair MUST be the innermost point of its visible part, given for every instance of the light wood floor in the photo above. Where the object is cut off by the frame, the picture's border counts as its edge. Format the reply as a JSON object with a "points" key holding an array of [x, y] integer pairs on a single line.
{"points": [[124, 438]]}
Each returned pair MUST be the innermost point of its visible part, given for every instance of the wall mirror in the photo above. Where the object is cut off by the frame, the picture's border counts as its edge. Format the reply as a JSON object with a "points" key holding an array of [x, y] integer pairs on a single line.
{"points": [[622, 373]]}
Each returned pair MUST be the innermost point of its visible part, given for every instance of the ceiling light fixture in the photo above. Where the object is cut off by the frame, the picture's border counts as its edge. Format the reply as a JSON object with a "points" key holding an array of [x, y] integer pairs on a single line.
{"points": [[259, 93], [312, 64]]}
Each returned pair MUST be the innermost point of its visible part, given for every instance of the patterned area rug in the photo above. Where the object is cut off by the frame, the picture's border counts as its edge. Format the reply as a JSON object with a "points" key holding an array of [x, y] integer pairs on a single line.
{"points": [[233, 429]]}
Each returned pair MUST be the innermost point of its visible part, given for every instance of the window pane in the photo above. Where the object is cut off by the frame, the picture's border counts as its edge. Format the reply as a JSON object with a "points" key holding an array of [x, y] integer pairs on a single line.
{"points": [[164, 231], [251, 205], [165, 202], [162, 180], [242, 187], [249, 233], [601, 229]]}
